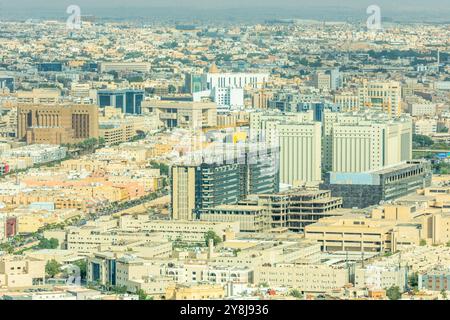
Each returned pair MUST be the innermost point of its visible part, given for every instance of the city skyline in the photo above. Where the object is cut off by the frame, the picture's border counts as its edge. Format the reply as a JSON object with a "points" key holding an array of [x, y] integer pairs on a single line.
{"points": [[331, 10], [260, 154]]}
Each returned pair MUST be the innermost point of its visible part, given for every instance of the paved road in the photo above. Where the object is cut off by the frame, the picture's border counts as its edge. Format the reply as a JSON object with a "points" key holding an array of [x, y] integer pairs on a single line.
{"points": [[431, 150]]}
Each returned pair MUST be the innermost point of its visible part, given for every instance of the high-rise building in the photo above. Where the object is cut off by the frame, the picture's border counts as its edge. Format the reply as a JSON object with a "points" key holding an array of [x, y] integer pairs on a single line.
{"points": [[206, 185], [335, 79], [57, 124], [382, 96], [347, 101], [299, 139], [300, 152], [362, 141], [194, 83], [227, 89], [129, 101], [322, 81]]}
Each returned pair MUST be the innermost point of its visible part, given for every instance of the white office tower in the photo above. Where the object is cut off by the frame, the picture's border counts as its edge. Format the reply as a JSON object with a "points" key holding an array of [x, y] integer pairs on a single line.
{"points": [[227, 89], [300, 152], [366, 140], [382, 96], [299, 139], [228, 98]]}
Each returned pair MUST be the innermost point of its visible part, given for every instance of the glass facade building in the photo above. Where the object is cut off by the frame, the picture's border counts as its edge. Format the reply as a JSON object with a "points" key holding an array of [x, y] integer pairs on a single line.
{"points": [[129, 101]]}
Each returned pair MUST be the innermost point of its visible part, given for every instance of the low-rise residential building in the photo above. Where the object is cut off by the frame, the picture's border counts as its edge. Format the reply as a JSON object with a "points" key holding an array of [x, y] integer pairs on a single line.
{"points": [[21, 272]]}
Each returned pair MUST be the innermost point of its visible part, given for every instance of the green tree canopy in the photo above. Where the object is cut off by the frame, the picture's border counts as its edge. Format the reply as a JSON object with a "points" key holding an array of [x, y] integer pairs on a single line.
{"points": [[296, 294], [421, 141], [393, 293], [142, 295], [52, 268], [51, 243], [212, 235]]}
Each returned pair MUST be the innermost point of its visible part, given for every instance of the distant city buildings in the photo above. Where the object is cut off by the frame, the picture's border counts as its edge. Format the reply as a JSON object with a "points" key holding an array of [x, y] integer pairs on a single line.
{"points": [[286, 159]]}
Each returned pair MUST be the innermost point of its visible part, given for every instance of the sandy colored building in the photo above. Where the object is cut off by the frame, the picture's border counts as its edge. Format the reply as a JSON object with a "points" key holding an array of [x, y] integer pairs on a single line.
{"points": [[195, 292], [57, 124], [182, 114], [21, 272], [306, 278]]}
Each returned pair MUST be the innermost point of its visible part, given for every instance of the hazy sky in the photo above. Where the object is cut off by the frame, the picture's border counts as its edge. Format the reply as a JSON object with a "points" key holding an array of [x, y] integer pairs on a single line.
{"points": [[407, 4], [423, 9]]}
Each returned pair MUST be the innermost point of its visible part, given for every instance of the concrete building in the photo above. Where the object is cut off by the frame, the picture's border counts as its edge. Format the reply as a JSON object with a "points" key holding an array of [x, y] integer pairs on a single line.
{"points": [[39, 96], [308, 278], [362, 141], [250, 218], [143, 67], [381, 277], [228, 98], [227, 89], [38, 153], [348, 101], [422, 109], [322, 81], [300, 152], [425, 127], [21, 272], [296, 208], [386, 229], [299, 139], [382, 96], [435, 280], [195, 292], [369, 188], [205, 185], [236, 80], [57, 124], [127, 100], [182, 114]]}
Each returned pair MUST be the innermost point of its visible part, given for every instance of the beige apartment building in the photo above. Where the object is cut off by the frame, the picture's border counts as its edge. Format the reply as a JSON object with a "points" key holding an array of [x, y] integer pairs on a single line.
{"points": [[352, 233], [250, 218], [195, 292], [322, 81], [39, 96], [21, 272], [384, 96], [348, 101], [179, 230], [183, 192], [312, 278]]}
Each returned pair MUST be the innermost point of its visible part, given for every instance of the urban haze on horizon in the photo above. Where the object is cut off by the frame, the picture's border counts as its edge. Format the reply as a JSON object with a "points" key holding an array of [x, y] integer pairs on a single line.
{"points": [[222, 11], [234, 151]]}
